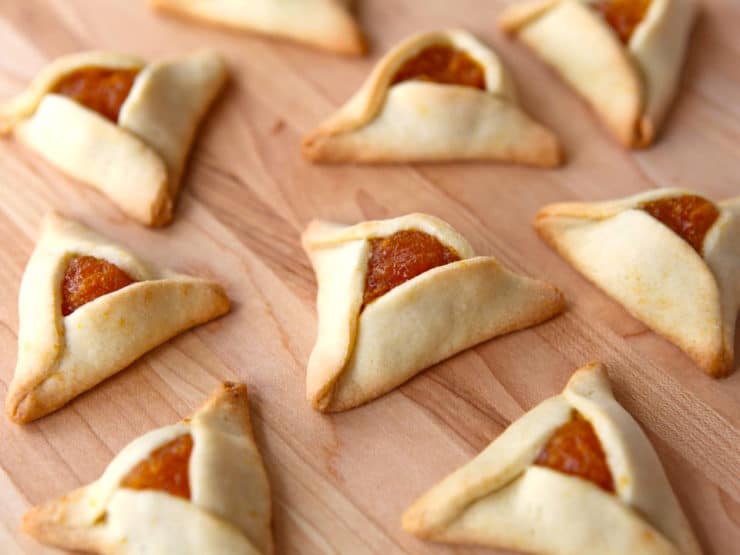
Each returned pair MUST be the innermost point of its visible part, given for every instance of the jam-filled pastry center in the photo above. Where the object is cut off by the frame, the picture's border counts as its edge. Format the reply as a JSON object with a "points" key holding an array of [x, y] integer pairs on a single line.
{"points": [[87, 278], [689, 216], [442, 64], [575, 449], [399, 257], [622, 15], [100, 89], [165, 469]]}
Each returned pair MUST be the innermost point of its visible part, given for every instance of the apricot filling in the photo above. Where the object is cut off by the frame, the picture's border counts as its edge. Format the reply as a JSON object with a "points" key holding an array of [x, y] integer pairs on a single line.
{"points": [[165, 469], [622, 15], [87, 278], [442, 64], [689, 216], [100, 89], [575, 449], [399, 257]]}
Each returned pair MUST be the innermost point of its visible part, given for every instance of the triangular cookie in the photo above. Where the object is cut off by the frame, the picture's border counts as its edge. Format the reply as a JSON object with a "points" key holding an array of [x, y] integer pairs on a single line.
{"points": [[192, 488], [670, 257], [574, 476], [397, 296], [436, 96], [87, 309], [118, 124], [325, 24], [623, 56]]}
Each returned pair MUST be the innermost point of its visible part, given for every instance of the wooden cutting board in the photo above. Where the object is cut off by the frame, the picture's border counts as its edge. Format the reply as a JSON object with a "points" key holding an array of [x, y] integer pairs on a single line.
{"points": [[340, 483]]}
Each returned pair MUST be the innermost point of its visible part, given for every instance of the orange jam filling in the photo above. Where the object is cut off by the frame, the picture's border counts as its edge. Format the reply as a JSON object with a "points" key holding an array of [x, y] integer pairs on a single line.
{"points": [[622, 15], [399, 257], [100, 89], [575, 449], [87, 278], [165, 469], [442, 64], [689, 216]]}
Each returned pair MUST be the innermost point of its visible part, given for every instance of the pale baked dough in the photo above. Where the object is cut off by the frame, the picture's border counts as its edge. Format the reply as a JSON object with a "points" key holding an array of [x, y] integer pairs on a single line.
{"points": [[139, 161], [229, 512], [630, 86], [420, 120], [326, 24], [59, 357], [360, 355], [691, 299], [501, 499]]}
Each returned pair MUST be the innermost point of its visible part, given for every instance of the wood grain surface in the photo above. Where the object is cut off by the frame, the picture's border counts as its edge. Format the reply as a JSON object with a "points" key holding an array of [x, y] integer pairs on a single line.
{"points": [[340, 483]]}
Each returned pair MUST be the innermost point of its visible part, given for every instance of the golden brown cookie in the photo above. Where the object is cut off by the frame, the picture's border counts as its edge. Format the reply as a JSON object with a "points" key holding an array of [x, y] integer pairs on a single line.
{"points": [[325, 24], [574, 476], [191, 488], [87, 309], [119, 124], [436, 96], [623, 56], [669, 256], [397, 296]]}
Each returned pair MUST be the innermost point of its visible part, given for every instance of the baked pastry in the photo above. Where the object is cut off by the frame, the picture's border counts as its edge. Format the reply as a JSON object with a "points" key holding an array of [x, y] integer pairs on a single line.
{"points": [[397, 296], [87, 309], [623, 56], [118, 124], [325, 24], [669, 256], [195, 487], [437, 96], [574, 476]]}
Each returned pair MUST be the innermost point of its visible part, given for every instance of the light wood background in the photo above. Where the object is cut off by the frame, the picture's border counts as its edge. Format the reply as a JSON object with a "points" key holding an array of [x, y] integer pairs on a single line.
{"points": [[340, 483]]}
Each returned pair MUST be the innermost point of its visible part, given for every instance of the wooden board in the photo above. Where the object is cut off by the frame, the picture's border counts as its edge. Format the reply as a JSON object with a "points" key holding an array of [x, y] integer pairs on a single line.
{"points": [[340, 483]]}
